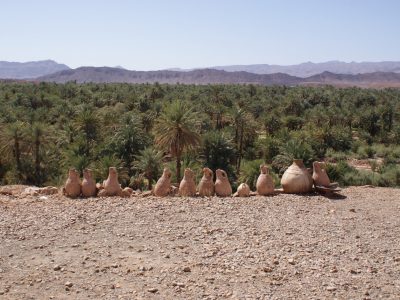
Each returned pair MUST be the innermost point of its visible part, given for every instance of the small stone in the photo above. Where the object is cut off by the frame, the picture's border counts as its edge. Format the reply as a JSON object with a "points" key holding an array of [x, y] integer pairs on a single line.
{"points": [[352, 210], [331, 288], [152, 290], [69, 284], [267, 269], [57, 268], [187, 269], [291, 261]]}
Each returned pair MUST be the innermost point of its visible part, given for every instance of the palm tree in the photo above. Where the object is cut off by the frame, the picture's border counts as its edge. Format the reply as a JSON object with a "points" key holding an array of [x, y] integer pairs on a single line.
{"points": [[149, 163], [87, 122], [39, 138], [11, 138], [175, 131]]}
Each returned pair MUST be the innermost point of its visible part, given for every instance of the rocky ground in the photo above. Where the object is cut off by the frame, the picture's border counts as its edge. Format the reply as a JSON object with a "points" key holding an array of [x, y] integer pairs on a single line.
{"points": [[279, 247]]}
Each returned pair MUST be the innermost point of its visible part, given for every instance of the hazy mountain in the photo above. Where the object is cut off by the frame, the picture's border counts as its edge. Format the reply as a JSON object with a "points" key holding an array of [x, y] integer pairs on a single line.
{"points": [[206, 76], [308, 69], [28, 70]]}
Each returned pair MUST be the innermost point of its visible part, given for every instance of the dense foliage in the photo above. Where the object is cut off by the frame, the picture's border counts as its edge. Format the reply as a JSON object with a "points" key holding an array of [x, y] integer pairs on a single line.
{"points": [[45, 128]]}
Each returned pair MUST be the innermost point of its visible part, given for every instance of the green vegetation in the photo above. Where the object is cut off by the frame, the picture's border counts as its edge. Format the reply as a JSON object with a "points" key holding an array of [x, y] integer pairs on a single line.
{"points": [[45, 128]]}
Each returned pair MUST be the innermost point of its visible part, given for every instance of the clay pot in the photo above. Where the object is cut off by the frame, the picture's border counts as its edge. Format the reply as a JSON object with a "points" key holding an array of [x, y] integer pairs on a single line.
{"points": [[126, 192], [206, 184], [187, 187], [297, 179], [72, 186], [320, 176], [163, 185], [265, 185], [222, 186], [243, 190], [88, 184], [111, 185]]}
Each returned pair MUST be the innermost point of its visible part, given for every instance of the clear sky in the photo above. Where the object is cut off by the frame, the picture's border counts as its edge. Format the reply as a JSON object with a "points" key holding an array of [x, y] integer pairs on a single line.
{"points": [[158, 34]]}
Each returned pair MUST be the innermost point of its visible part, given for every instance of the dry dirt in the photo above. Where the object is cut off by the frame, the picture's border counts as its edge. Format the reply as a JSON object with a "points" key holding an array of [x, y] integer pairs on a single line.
{"points": [[280, 247]]}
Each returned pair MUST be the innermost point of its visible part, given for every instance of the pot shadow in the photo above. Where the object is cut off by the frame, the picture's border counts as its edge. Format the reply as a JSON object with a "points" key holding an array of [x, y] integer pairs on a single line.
{"points": [[331, 196]]}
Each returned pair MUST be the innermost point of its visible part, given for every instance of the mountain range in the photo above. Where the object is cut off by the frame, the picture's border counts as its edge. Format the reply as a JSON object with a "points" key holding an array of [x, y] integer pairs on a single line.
{"points": [[29, 70], [368, 74]]}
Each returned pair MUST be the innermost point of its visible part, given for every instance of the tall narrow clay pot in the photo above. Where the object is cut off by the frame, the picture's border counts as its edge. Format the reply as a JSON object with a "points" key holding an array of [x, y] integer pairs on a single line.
{"points": [[297, 179], [320, 177]]}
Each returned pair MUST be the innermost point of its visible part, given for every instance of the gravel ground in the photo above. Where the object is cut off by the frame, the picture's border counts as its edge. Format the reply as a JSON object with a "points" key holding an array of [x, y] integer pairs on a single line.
{"points": [[279, 247]]}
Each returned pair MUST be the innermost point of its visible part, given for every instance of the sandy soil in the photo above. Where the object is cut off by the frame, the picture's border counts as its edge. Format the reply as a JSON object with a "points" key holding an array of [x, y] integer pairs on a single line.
{"points": [[280, 247]]}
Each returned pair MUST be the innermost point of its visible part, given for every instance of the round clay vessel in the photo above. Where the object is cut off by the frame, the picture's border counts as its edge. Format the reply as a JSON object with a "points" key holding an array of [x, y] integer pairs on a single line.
{"points": [[243, 190], [163, 185], [265, 185], [297, 179], [222, 186], [206, 184], [320, 176], [111, 185], [72, 186], [88, 184], [187, 187]]}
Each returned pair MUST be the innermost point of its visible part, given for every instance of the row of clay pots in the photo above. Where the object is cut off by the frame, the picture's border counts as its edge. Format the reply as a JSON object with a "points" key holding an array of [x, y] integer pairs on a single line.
{"points": [[74, 187], [296, 179], [207, 187]]}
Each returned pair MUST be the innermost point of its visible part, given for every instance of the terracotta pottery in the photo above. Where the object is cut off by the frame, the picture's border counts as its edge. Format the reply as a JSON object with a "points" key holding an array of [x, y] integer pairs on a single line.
{"points": [[187, 187], [72, 186], [320, 176], [111, 185], [163, 185], [222, 186], [297, 179], [126, 192], [265, 185], [206, 184], [243, 190], [88, 184]]}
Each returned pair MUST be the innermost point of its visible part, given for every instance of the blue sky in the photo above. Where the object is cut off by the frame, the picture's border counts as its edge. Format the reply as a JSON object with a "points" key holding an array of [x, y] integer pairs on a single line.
{"points": [[158, 34]]}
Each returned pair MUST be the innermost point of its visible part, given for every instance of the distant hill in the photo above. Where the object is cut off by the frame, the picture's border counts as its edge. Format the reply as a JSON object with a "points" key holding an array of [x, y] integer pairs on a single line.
{"points": [[309, 69], [29, 70], [204, 76], [210, 76]]}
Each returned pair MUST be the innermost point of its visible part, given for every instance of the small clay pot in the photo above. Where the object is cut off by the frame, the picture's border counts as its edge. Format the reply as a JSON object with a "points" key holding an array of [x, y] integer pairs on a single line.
{"points": [[265, 184], [243, 190], [187, 187], [297, 179], [72, 186], [88, 184], [163, 185], [320, 176], [222, 186], [111, 185], [206, 185]]}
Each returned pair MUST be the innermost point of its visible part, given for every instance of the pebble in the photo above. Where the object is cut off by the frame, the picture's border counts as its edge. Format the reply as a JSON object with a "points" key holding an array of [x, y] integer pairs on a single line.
{"points": [[57, 268], [69, 284], [152, 290], [331, 288], [187, 269]]}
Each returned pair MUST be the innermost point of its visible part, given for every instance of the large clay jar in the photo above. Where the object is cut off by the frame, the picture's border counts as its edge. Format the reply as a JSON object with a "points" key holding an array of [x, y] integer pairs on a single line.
{"points": [[243, 190], [187, 187], [320, 176], [163, 185], [111, 185], [88, 184], [265, 184], [297, 179], [72, 186], [206, 184], [222, 186]]}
